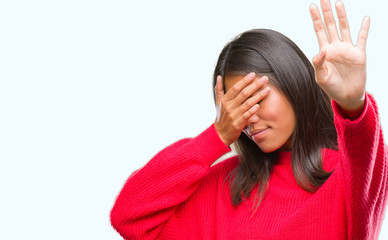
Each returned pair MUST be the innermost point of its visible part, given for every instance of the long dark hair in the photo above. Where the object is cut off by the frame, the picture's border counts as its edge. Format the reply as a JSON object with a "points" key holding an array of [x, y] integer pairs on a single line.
{"points": [[267, 52]]}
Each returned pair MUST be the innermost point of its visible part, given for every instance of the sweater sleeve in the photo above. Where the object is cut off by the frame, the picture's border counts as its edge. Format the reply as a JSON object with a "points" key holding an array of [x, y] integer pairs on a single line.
{"points": [[152, 194], [364, 169]]}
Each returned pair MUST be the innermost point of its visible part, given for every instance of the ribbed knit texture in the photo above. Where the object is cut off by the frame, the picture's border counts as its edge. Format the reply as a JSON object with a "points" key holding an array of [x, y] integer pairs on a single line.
{"points": [[178, 195]]}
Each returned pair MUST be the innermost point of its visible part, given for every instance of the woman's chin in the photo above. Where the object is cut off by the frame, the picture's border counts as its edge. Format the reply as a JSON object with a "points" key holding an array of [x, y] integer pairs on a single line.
{"points": [[267, 149]]}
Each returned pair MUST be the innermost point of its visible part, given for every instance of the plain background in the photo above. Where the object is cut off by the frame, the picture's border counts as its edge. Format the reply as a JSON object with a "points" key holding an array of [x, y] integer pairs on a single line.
{"points": [[91, 90]]}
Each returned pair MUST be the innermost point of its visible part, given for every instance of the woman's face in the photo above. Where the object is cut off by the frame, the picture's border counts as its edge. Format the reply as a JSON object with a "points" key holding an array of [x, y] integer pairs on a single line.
{"points": [[273, 124]]}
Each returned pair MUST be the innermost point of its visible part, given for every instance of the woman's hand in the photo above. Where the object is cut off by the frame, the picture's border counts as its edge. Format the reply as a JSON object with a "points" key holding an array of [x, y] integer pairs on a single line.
{"points": [[340, 67], [237, 106]]}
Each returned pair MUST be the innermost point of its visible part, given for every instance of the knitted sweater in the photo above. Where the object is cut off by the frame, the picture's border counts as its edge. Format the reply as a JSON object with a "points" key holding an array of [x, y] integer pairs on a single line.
{"points": [[179, 195]]}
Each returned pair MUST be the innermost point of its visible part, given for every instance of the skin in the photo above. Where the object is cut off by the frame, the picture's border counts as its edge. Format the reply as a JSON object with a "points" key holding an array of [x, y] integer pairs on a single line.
{"points": [[340, 69], [275, 116]]}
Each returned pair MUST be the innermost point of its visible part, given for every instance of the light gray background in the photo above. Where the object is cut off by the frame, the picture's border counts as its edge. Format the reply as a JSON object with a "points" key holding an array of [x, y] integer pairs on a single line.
{"points": [[91, 90]]}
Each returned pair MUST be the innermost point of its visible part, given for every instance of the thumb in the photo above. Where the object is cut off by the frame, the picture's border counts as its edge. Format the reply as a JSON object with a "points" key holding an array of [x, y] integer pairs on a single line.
{"points": [[319, 67], [219, 88]]}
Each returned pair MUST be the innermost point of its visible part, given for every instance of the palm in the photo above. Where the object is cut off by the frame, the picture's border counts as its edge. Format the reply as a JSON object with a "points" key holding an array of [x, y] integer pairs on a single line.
{"points": [[341, 67], [346, 69]]}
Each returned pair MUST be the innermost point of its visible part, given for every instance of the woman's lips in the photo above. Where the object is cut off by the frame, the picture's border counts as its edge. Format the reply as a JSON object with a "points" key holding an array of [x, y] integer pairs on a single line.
{"points": [[259, 133]]}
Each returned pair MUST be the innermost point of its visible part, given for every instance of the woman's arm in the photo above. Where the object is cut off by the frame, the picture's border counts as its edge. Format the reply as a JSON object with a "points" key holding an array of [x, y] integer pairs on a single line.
{"points": [[364, 169], [340, 70], [151, 195]]}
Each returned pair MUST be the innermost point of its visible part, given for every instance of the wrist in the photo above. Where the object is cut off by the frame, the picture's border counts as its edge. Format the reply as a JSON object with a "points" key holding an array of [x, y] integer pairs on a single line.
{"points": [[354, 110], [221, 135], [224, 139], [226, 142]]}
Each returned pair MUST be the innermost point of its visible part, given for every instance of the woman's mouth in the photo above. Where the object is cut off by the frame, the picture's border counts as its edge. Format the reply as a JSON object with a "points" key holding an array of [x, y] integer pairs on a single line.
{"points": [[259, 133]]}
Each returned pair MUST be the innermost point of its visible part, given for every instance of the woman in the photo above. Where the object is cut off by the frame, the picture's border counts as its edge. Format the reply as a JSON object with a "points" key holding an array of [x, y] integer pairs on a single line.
{"points": [[311, 162]]}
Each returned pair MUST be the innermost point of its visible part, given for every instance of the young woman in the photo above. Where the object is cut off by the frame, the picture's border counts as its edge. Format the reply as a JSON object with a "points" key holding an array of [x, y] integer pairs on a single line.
{"points": [[311, 163]]}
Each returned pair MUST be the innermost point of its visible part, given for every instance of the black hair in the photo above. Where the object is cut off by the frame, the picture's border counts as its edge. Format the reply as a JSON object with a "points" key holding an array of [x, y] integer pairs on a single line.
{"points": [[267, 52]]}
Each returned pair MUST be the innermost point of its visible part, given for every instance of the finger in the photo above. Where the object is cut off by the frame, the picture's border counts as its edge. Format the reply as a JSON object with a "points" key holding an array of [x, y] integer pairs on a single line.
{"points": [[248, 115], [363, 35], [318, 26], [219, 88], [249, 103], [343, 22], [236, 89], [329, 20], [249, 90], [320, 71]]}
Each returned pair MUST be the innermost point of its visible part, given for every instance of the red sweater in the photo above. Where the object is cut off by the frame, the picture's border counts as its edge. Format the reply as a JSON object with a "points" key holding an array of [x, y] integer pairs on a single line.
{"points": [[179, 195]]}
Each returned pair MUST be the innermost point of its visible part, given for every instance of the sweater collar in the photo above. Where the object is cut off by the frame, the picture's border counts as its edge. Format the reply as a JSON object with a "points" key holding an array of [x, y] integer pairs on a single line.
{"points": [[284, 157]]}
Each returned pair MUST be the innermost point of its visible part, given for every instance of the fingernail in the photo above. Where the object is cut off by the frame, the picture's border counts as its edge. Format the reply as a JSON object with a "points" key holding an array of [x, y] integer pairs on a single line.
{"points": [[264, 79], [338, 3], [251, 75], [267, 89], [322, 52]]}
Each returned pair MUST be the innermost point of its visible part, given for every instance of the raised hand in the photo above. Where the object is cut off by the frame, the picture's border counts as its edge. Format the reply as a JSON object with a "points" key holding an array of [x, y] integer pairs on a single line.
{"points": [[340, 67], [237, 106]]}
